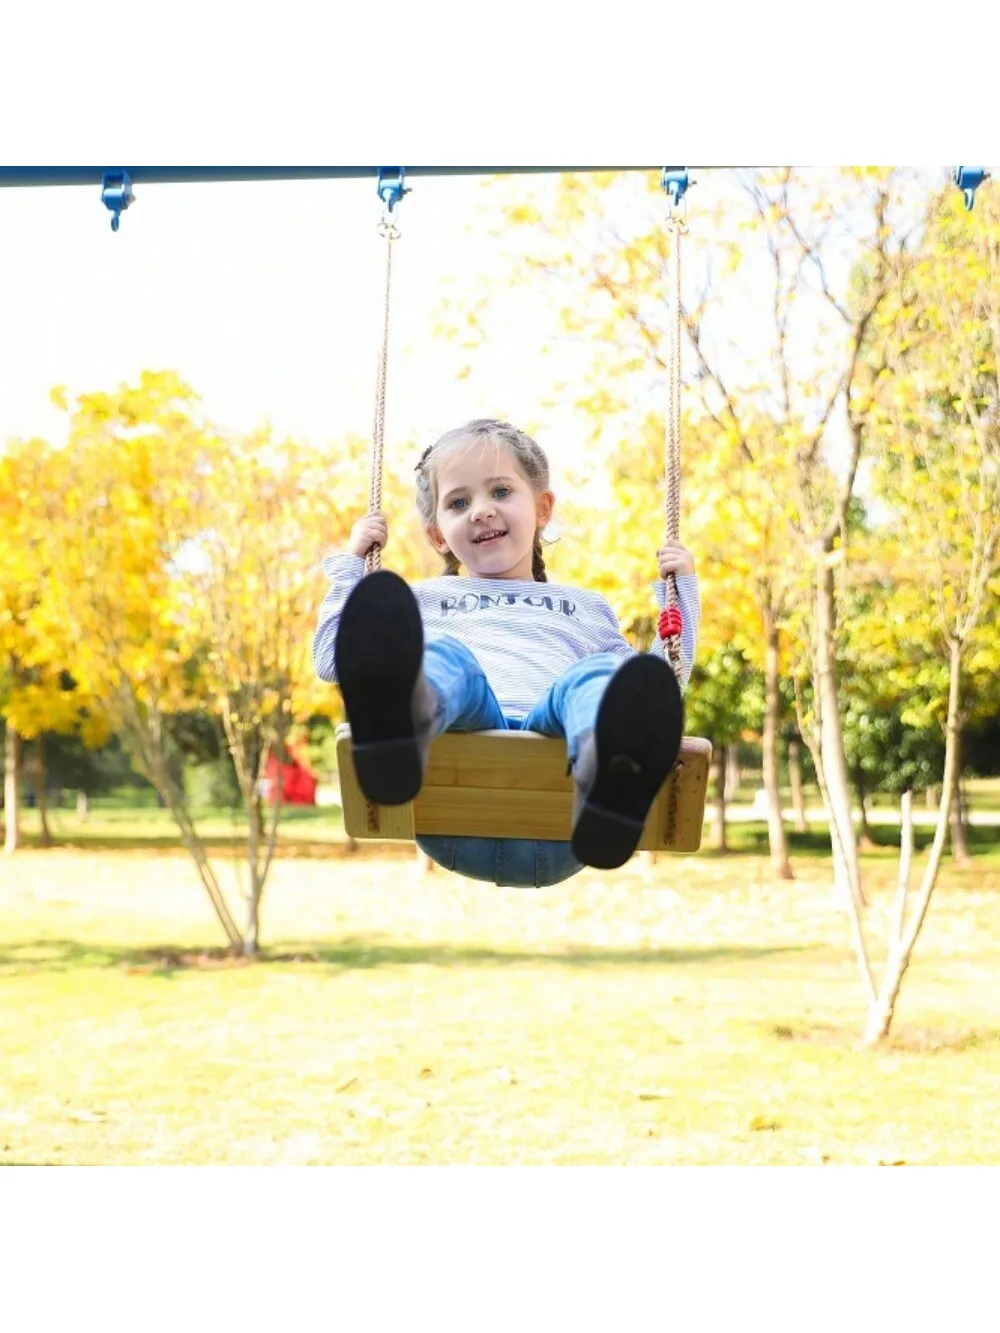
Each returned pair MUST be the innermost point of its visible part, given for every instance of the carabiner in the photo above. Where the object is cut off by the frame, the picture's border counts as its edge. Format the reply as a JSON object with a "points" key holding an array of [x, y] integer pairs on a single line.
{"points": [[116, 194], [968, 180], [391, 187], [676, 182]]}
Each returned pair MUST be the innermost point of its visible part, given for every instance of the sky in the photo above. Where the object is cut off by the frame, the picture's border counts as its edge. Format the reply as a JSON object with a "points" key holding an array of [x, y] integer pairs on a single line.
{"points": [[268, 298]]}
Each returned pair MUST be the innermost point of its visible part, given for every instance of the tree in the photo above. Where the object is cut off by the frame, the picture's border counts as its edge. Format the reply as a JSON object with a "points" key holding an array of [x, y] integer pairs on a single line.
{"points": [[251, 591], [936, 419], [726, 700], [188, 575], [37, 693], [846, 254]]}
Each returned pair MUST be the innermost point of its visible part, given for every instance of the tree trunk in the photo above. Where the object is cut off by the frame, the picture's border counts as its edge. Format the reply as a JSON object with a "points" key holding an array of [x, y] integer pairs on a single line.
{"points": [[959, 833], [931, 797], [795, 778], [82, 806], [732, 771], [40, 792], [11, 806], [144, 745], [255, 860], [251, 934], [777, 842], [831, 740], [719, 787], [865, 839], [901, 947]]}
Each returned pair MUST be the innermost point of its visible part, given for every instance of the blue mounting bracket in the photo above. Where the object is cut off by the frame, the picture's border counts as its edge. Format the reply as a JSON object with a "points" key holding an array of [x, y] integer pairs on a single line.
{"points": [[116, 194], [968, 179], [676, 183], [391, 186]]}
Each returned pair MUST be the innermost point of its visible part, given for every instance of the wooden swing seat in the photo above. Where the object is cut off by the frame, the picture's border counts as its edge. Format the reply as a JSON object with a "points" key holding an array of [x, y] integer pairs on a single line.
{"points": [[514, 784]]}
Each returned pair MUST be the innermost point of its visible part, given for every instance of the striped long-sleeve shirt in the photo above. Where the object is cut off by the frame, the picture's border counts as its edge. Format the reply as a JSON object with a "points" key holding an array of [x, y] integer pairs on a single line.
{"points": [[524, 635]]}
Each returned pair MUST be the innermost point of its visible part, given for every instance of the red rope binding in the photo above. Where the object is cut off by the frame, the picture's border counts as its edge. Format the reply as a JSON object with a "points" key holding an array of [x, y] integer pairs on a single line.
{"points": [[670, 622]]}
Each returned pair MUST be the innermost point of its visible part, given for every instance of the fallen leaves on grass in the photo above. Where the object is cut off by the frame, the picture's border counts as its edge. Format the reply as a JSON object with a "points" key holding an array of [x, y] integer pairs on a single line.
{"points": [[764, 1123], [164, 960]]}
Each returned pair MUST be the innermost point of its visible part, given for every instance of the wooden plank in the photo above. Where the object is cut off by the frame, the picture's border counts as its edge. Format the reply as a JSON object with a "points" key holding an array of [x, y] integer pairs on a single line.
{"points": [[678, 828], [513, 784], [482, 812], [387, 823], [499, 760]]}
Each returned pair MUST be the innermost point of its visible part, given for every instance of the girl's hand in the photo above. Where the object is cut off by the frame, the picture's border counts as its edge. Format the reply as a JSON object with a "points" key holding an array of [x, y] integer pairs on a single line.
{"points": [[673, 558], [372, 530]]}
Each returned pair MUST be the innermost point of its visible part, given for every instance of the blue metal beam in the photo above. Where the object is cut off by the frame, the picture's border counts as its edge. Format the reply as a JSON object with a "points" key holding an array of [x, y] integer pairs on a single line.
{"points": [[26, 176]]}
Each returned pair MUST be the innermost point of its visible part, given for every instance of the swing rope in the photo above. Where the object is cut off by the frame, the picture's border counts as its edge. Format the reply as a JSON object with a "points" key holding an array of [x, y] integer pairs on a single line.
{"points": [[373, 560], [391, 188], [390, 192], [670, 623]]}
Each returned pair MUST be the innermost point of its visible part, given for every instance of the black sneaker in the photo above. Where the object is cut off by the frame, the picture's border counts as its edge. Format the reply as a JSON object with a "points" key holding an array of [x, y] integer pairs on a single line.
{"points": [[379, 656], [625, 760]]}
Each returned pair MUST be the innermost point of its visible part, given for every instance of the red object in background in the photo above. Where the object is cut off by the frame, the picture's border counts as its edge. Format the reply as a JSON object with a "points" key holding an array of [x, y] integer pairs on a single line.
{"points": [[298, 785]]}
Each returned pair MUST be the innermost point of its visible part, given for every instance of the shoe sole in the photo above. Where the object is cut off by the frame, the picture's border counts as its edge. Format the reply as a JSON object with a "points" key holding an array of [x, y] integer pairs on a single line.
{"points": [[637, 735], [378, 654]]}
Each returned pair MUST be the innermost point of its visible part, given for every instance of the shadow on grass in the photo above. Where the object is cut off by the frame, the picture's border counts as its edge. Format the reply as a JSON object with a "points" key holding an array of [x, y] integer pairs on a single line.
{"points": [[353, 954], [903, 1038], [26, 1161]]}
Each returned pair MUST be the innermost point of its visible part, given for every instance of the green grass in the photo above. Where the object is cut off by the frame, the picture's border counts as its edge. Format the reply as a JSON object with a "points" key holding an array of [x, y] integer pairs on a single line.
{"points": [[752, 837], [117, 824], [983, 794], [120, 826], [687, 1011]]}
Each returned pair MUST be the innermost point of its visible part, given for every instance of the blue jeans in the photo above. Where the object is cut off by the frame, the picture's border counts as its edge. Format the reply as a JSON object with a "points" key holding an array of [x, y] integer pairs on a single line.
{"points": [[568, 708]]}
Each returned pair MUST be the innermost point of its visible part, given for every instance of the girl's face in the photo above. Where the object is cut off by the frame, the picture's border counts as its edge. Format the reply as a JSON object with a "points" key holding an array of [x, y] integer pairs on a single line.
{"points": [[487, 514]]}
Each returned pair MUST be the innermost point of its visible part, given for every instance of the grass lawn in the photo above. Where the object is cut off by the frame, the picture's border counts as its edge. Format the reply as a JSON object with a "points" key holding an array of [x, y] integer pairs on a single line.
{"points": [[118, 826], [689, 1011], [121, 823], [983, 794]]}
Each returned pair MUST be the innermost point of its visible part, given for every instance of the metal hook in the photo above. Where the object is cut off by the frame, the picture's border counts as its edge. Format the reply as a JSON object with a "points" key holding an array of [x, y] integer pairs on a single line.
{"points": [[676, 182], [116, 195], [968, 180], [391, 187]]}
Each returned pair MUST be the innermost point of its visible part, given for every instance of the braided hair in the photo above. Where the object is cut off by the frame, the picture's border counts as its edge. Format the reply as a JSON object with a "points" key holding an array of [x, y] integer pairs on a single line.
{"points": [[528, 455]]}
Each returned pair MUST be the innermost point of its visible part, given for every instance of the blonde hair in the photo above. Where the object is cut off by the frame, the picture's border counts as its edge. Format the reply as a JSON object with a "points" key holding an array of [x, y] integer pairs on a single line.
{"points": [[528, 455]]}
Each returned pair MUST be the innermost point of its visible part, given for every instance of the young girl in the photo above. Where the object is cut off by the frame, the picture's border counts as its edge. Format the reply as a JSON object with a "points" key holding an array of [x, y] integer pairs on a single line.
{"points": [[493, 649]]}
